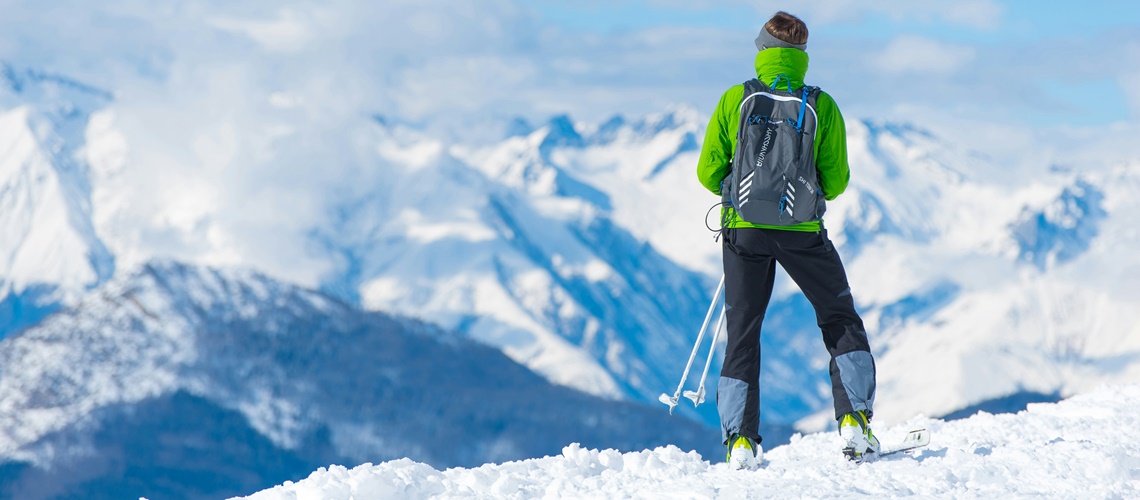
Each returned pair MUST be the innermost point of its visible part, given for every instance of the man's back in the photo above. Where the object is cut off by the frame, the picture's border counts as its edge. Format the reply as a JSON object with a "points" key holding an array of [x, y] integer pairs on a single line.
{"points": [[830, 148]]}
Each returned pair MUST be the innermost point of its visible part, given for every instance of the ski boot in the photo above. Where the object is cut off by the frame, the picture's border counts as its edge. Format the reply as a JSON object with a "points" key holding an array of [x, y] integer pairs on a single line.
{"points": [[860, 443], [743, 453]]}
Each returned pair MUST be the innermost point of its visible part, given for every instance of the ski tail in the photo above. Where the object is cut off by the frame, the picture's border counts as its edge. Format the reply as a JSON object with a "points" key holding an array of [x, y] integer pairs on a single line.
{"points": [[914, 440]]}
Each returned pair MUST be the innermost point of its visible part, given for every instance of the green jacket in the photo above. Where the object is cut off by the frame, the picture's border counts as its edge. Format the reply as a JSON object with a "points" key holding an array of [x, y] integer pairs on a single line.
{"points": [[830, 138]]}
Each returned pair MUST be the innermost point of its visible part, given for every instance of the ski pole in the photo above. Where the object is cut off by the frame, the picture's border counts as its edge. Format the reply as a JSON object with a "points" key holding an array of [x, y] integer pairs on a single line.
{"points": [[698, 396], [672, 401]]}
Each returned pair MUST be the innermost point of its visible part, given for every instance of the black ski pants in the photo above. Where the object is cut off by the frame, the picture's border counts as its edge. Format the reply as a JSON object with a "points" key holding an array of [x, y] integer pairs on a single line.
{"points": [[750, 257]]}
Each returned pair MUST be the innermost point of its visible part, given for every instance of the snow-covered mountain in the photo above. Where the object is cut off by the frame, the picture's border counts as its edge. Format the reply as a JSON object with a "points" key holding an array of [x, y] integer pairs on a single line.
{"points": [[49, 250], [1085, 447], [580, 251], [540, 269], [193, 382], [506, 246]]}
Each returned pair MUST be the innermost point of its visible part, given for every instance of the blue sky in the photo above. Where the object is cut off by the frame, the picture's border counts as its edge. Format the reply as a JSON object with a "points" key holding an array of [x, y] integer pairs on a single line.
{"points": [[985, 32], [1018, 21]]}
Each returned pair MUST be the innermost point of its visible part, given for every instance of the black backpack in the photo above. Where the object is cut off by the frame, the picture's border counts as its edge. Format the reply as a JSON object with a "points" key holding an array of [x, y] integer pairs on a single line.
{"points": [[774, 180]]}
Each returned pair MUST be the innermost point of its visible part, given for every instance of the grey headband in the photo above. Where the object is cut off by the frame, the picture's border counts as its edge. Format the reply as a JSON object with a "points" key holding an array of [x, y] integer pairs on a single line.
{"points": [[765, 40]]}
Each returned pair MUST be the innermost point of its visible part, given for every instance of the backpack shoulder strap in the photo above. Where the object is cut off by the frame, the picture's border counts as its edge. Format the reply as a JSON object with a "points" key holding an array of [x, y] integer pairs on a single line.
{"points": [[750, 87], [754, 85]]}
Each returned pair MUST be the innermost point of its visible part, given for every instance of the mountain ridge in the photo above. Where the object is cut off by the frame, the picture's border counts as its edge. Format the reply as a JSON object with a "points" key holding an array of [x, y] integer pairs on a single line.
{"points": [[296, 373]]}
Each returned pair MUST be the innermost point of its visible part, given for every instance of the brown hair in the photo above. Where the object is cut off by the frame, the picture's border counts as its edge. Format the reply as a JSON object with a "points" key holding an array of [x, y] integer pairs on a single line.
{"points": [[788, 28]]}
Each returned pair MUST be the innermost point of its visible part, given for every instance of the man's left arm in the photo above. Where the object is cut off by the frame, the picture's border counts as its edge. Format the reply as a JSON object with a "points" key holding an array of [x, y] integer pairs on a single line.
{"points": [[831, 156]]}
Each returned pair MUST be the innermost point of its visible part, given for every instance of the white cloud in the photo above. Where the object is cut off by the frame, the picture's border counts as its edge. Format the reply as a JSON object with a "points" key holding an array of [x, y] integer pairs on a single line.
{"points": [[246, 125], [913, 54], [462, 85], [976, 13], [286, 33]]}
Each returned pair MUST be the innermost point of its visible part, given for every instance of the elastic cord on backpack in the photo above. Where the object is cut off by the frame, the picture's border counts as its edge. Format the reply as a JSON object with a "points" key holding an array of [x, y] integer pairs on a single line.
{"points": [[724, 219]]}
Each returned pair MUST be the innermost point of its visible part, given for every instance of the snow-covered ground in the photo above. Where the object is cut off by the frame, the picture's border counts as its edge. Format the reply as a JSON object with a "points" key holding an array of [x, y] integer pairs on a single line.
{"points": [[1085, 447]]}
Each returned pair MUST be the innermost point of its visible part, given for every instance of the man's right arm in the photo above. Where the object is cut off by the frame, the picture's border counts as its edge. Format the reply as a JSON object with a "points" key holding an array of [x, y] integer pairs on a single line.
{"points": [[720, 141]]}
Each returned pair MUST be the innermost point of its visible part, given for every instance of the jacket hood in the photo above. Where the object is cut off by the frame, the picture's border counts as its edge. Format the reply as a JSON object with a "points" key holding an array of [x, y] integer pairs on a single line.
{"points": [[782, 61]]}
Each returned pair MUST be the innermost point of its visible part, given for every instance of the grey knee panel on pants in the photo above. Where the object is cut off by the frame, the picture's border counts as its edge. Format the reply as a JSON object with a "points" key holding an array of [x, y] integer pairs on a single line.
{"points": [[857, 375], [732, 404]]}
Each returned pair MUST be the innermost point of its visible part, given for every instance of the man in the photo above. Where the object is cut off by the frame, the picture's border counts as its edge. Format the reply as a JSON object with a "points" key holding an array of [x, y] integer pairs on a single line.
{"points": [[751, 251]]}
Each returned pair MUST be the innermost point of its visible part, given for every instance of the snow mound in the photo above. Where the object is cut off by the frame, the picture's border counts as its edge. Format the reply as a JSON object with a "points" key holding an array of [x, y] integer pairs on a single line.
{"points": [[1087, 446]]}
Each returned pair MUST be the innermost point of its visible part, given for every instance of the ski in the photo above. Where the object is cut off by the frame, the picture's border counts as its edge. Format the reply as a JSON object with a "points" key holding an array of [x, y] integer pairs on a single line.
{"points": [[914, 440]]}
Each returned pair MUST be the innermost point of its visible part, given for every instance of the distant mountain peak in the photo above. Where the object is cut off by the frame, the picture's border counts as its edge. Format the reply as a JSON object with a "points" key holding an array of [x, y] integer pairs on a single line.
{"points": [[519, 127], [56, 96], [51, 248], [561, 132], [897, 128], [1063, 229]]}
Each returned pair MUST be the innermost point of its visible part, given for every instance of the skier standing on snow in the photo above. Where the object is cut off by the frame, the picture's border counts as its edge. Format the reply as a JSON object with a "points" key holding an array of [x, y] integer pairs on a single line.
{"points": [[777, 231]]}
